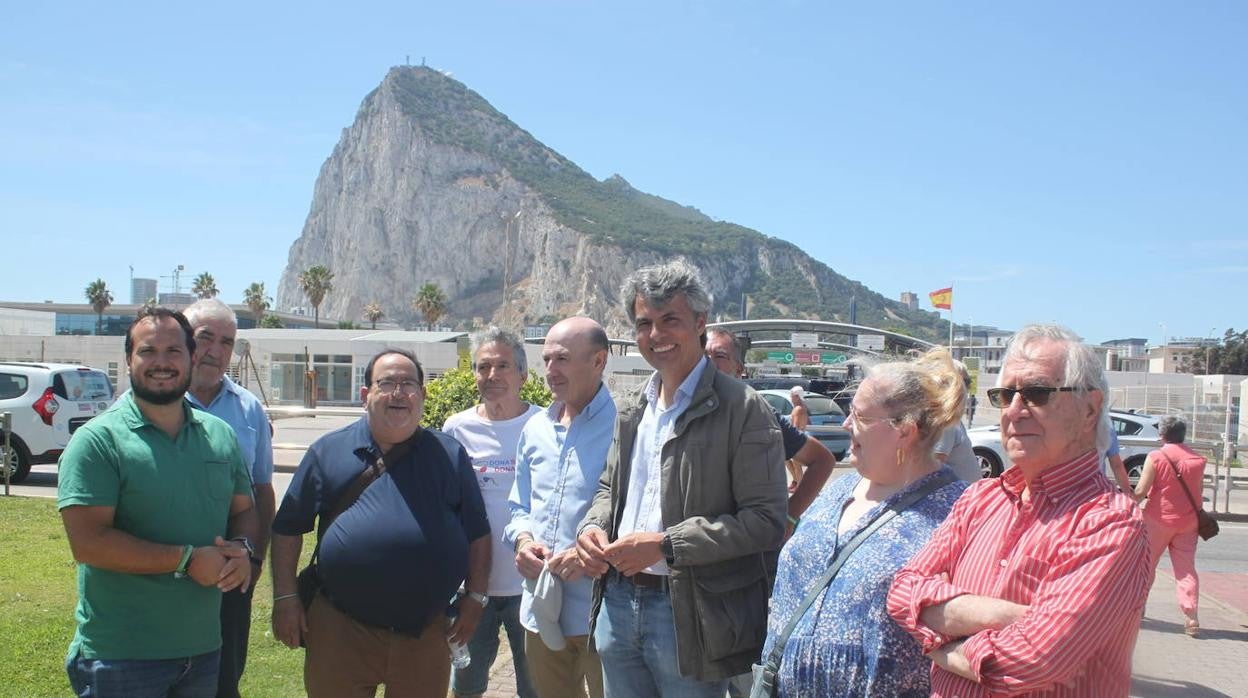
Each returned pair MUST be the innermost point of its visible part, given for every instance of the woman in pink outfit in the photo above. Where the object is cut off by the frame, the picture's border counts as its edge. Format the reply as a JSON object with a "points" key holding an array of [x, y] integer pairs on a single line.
{"points": [[1169, 515]]}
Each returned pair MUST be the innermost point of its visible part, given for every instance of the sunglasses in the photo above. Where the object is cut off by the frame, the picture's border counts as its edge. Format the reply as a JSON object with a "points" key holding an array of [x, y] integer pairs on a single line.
{"points": [[1033, 396]]}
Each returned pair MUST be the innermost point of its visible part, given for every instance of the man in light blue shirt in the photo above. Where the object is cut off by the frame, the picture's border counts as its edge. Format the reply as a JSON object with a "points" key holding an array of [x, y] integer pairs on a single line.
{"points": [[215, 327], [559, 460]]}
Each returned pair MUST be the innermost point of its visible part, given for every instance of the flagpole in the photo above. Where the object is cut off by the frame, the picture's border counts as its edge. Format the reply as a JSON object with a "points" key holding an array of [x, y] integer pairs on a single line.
{"points": [[951, 321]]}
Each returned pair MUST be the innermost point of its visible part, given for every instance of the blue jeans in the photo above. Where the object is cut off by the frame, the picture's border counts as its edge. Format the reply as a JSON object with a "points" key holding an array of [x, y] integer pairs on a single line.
{"points": [[636, 639], [483, 647], [186, 677]]}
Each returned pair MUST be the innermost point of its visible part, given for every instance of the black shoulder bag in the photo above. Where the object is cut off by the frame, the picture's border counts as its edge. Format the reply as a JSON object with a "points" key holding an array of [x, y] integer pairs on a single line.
{"points": [[309, 580], [764, 685]]}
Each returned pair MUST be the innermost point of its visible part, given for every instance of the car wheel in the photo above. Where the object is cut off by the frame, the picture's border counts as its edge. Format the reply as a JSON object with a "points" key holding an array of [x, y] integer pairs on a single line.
{"points": [[1135, 468], [18, 462], [989, 463]]}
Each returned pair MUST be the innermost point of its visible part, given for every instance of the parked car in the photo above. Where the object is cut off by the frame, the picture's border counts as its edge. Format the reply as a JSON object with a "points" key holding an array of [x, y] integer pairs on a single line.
{"points": [[1137, 435], [827, 420], [48, 402]]}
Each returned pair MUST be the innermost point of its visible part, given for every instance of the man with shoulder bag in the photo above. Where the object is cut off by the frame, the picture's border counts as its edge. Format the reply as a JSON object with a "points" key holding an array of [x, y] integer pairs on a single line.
{"points": [[401, 526]]}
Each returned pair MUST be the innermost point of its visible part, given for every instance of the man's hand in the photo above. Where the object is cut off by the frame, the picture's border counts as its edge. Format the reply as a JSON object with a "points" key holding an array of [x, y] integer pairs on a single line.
{"points": [[290, 623], [466, 619], [950, 658], [530, 558], [590, 550], [206, 565], [236, 574], [635, 552], [566, 565]]}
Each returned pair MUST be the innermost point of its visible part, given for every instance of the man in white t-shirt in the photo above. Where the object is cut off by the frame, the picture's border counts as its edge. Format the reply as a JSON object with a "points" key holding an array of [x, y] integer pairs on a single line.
{"points": [[489, 432]]}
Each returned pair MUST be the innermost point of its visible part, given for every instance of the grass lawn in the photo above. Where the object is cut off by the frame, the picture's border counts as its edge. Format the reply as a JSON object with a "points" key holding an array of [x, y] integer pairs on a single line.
{"points": [[38, 592]]}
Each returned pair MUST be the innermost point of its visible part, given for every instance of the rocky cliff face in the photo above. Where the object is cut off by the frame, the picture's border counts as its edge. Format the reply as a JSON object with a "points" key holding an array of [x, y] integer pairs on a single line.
{"points": [[431, 184]]}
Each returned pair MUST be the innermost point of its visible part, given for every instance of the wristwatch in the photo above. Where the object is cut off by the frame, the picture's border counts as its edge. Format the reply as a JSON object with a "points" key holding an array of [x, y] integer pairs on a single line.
{"points": [[669, 553], [184, 563], [479, 598], [251, 551]]}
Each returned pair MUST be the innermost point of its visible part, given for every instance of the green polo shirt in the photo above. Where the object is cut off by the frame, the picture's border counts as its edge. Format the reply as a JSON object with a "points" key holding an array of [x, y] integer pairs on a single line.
{"points": [[174, 491]]}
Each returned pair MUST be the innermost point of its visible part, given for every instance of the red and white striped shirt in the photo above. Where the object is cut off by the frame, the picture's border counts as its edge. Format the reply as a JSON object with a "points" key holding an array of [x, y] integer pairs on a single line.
{"points": [[1075, 553]]}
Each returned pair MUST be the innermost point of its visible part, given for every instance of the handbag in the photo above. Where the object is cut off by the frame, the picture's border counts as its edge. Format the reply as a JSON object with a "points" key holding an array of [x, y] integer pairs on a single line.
{"points": [[764, 674], [308, 582], [1206, 525]]}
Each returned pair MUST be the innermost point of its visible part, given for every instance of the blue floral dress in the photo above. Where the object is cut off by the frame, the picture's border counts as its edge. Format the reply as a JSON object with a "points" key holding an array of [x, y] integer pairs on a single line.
{"points": [[846, 644]]}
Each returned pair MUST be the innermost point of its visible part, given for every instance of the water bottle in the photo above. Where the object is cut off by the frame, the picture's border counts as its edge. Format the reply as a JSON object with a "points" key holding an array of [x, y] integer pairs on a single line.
{"points": [[460, 658]]}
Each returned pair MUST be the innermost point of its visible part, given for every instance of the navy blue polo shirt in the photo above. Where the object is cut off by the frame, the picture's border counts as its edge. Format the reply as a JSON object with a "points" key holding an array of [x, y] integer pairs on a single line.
{"points": [[794, 438], [395, 557]]}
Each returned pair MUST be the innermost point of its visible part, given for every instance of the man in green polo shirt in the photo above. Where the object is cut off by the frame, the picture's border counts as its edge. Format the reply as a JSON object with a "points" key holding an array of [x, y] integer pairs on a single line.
{"points": [[149, 492]]}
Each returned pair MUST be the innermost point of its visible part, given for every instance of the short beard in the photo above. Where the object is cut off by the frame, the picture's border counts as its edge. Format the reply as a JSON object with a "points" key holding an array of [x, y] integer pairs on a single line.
{"points": [[161, 397]]}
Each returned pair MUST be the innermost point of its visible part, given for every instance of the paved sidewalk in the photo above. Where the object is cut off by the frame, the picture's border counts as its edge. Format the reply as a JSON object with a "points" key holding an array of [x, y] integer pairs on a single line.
{"points": [[1169, 663]]}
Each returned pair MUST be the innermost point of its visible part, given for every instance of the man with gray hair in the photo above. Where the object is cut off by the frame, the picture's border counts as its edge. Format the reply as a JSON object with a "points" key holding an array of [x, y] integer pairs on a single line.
{"points": [[215, 327], [489, 432], [692, 500], [1036, 581]]}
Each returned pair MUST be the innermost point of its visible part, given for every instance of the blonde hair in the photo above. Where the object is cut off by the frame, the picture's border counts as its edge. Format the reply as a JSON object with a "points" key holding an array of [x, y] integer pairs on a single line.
{"points": [[928, 392]]}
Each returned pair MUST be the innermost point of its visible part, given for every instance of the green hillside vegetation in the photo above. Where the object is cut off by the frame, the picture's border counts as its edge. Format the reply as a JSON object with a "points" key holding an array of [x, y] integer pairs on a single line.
{"points": [[613, 212]]}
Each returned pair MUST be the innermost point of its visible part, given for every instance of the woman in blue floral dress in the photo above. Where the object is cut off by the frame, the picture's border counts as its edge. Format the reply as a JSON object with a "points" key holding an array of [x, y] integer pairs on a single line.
{"points": [[846, 644]]}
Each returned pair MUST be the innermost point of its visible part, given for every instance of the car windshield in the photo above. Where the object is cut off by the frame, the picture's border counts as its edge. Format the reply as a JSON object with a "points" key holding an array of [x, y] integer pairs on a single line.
{"points": [[82, 385]]}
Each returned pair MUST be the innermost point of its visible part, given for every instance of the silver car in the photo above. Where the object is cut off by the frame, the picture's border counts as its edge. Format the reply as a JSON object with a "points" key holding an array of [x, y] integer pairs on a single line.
{"points": [[1137, 435], [827, 420]]}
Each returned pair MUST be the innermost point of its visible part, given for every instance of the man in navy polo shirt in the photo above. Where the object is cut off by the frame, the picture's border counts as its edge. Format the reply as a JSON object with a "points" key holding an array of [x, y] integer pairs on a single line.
{"points": [[392, 561]]}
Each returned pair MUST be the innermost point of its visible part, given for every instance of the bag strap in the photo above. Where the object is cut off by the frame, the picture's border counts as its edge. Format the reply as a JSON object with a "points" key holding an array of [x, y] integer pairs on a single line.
{"points": [[816, 590], [1190, 499], [374, 469]]}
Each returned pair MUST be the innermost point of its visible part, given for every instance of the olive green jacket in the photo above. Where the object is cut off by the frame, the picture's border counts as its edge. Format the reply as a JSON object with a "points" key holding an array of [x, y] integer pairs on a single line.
{"points": [[724, 498]]}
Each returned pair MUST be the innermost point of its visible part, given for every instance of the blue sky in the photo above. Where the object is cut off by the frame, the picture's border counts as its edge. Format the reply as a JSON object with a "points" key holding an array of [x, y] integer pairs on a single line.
{"points": [[1075, 162]]}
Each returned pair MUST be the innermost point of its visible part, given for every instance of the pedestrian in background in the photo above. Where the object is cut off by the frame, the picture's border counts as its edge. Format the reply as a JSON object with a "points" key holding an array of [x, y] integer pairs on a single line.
{"points": [[800, 417], [1172, 481], [489, 432]]}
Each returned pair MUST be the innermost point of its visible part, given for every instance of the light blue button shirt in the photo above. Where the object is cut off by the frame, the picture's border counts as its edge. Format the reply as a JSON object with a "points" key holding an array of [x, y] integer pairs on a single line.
{"points": [[244, 413], [557, 472], [643, 506]]}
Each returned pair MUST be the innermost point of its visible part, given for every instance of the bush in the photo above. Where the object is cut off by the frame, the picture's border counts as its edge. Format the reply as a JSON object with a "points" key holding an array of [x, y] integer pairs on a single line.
{"points": [[456, 391]]}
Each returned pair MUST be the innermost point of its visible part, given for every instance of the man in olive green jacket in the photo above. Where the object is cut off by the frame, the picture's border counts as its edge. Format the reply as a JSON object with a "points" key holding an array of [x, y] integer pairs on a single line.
{"points": [[692, 498]]}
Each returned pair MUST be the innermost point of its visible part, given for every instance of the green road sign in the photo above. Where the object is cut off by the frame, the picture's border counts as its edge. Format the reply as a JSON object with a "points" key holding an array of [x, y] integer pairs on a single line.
{"points": [[780, 356], [832, 358]]}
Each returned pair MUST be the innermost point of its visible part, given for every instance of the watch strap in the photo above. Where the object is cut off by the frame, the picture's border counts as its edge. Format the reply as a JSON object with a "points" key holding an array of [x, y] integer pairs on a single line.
{"points": [[479, 598]]}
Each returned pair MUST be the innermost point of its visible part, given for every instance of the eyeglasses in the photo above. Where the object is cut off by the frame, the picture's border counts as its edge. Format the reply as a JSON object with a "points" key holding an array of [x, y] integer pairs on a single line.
{"points": [[407, 387], [1033, 395], [864, 421]]}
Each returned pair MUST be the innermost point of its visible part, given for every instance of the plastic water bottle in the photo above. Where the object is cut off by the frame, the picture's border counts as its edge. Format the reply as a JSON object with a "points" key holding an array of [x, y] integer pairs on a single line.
{"points": [[460, 659]]}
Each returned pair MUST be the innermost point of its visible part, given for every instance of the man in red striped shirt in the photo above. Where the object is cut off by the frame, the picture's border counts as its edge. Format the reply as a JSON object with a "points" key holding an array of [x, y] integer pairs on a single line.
{"points": [[1037, 580]]}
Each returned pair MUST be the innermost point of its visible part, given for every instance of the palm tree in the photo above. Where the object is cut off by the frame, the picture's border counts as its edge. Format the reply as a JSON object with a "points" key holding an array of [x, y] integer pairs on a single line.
{"points": [[205, 286], [257, 302], [315, 282], [100, 298], [430, 302], [373, 313]]}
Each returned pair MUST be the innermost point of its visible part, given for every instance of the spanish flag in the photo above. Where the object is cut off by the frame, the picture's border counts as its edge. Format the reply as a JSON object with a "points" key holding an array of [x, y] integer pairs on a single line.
{"points": [[942, 298]]}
